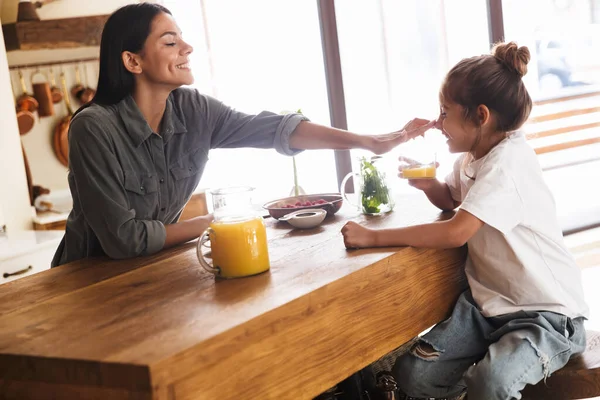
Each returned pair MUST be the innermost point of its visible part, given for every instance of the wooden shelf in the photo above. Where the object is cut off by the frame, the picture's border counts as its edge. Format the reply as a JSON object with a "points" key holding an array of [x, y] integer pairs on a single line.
{"points": [[54, 33]]}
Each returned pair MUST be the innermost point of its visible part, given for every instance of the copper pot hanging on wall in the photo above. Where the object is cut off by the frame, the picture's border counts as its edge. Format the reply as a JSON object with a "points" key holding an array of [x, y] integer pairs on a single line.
{"points": [[25, 101], [57, 95], [26, 106], [78, 89], [43, 94], [89, 93]]}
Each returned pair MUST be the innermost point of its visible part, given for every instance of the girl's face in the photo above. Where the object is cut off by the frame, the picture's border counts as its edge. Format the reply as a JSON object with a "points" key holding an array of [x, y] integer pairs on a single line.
{"points": [[461, 134], [164, 59]]}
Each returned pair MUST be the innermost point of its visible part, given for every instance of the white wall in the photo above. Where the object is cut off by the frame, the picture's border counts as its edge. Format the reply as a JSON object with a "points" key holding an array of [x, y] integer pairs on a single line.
{"points": [[14, 198], [46, 170]]}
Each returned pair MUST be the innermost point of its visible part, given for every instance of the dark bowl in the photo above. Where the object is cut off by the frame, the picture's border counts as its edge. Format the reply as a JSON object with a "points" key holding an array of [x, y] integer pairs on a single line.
{"points": [[277, 208]]}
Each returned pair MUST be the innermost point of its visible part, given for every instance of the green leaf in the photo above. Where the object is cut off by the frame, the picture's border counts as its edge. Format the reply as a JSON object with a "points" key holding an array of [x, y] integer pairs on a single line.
{"points": [[374, 191]]}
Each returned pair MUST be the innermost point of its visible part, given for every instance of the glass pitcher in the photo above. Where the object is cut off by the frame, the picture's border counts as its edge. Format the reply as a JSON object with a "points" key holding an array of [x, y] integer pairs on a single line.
{"points": [[238, 237], [374, 193]]}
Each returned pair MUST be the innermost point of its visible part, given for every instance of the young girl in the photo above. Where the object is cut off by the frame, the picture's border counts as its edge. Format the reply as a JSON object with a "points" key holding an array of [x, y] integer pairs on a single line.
{"points": [[522, 317]]}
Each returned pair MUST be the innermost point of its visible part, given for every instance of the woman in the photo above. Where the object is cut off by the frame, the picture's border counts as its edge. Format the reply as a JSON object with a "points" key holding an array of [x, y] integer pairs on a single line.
{"points": [[137, 152]]}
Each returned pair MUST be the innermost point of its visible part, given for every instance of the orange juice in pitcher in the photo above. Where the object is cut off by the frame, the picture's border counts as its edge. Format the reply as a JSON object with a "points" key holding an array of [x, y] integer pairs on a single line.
{"points": [[239, 248], [238, 237]]}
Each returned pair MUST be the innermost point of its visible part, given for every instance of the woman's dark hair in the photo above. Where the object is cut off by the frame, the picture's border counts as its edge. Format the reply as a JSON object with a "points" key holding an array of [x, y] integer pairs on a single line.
{"points": [[493, 80], [125, 30]]}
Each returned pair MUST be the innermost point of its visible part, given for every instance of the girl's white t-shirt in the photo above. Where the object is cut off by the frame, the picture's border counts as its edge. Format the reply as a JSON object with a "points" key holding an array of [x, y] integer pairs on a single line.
{"points": [[518, 259]]}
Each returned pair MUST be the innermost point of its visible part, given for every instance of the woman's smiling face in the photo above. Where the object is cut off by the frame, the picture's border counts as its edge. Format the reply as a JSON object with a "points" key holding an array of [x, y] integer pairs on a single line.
{"points": [[165, 57]]}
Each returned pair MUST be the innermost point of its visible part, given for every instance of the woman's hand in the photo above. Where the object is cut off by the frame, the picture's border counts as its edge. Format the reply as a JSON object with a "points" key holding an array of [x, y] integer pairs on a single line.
{"points": [[203, 222], [357, 236], [184, 231], [383, 143], [417, 127]]}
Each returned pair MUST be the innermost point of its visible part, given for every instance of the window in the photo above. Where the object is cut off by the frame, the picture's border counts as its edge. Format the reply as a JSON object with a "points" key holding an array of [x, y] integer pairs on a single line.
{"points": [[564, 80], [394, 56], [563, 76], [254, 56], [564, 38]]}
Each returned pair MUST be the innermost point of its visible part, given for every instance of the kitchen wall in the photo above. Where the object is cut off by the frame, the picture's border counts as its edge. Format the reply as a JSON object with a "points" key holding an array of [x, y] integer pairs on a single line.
{"points": [[46, 170], [14, 199]]}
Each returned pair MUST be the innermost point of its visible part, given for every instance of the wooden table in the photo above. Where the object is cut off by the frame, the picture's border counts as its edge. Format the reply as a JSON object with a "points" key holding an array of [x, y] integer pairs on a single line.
{"points": [[159, 327]]}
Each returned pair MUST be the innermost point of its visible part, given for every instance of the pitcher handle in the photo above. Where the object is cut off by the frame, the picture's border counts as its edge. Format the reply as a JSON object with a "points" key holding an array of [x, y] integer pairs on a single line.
{"points": [[343, 187], [205, 264]]}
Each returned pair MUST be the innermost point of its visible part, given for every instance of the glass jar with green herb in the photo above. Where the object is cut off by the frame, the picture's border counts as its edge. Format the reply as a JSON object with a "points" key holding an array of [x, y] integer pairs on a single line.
{"points": [[373, 192]]}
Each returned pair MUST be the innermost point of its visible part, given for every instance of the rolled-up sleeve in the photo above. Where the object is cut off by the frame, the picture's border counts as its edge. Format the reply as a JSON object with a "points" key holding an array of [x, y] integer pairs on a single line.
{"points": [[231, 128], [99, 180]]}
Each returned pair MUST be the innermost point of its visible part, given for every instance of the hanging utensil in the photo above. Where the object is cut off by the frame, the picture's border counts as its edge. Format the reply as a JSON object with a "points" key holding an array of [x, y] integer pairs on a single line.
{"points": [[88, 93], [26, 101], [42, 93], [57, 95], [60, 141], [24, 105], [78, 89]]}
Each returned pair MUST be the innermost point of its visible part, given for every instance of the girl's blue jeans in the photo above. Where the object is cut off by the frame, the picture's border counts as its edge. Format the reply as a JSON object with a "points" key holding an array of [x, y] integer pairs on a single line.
{"points": [[493, 358]]}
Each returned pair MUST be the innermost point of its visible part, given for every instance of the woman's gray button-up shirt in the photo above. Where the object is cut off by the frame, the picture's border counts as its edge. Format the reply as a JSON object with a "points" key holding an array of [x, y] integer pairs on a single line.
{"points": [[127, 182]]}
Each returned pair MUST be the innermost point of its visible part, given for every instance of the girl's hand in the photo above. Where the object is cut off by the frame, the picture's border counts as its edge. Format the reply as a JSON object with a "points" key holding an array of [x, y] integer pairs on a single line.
{"points": [[423, 184], [357, 236], [381, 144]]}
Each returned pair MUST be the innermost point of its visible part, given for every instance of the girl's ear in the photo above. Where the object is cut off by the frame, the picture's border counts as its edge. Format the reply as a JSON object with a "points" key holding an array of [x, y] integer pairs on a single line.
{"points": [[483, 114]]}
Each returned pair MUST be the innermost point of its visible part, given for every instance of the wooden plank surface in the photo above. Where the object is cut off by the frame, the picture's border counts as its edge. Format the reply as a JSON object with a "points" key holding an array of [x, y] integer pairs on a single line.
{"points": [[566, 145], [54, 33], [159, 327], [563, 113], [561, 130], [574, 96]]}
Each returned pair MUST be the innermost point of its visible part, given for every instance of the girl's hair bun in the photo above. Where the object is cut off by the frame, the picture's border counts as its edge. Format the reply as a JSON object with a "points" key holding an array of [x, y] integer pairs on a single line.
{"points": [[515, 58]]}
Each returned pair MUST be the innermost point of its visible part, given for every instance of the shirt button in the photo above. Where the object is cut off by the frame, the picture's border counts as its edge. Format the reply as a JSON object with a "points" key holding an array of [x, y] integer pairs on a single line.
{"points": [[142, 188], [163, 209], [162, 181], [190, 168]]}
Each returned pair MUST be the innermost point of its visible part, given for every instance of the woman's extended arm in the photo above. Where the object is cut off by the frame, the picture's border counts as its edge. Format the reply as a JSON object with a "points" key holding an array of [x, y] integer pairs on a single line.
{"points": [[314, 136]]}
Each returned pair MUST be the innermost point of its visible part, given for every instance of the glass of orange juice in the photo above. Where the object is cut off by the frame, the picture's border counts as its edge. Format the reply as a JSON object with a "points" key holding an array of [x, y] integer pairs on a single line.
{"points": [[411, 169], [238, 237]]}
